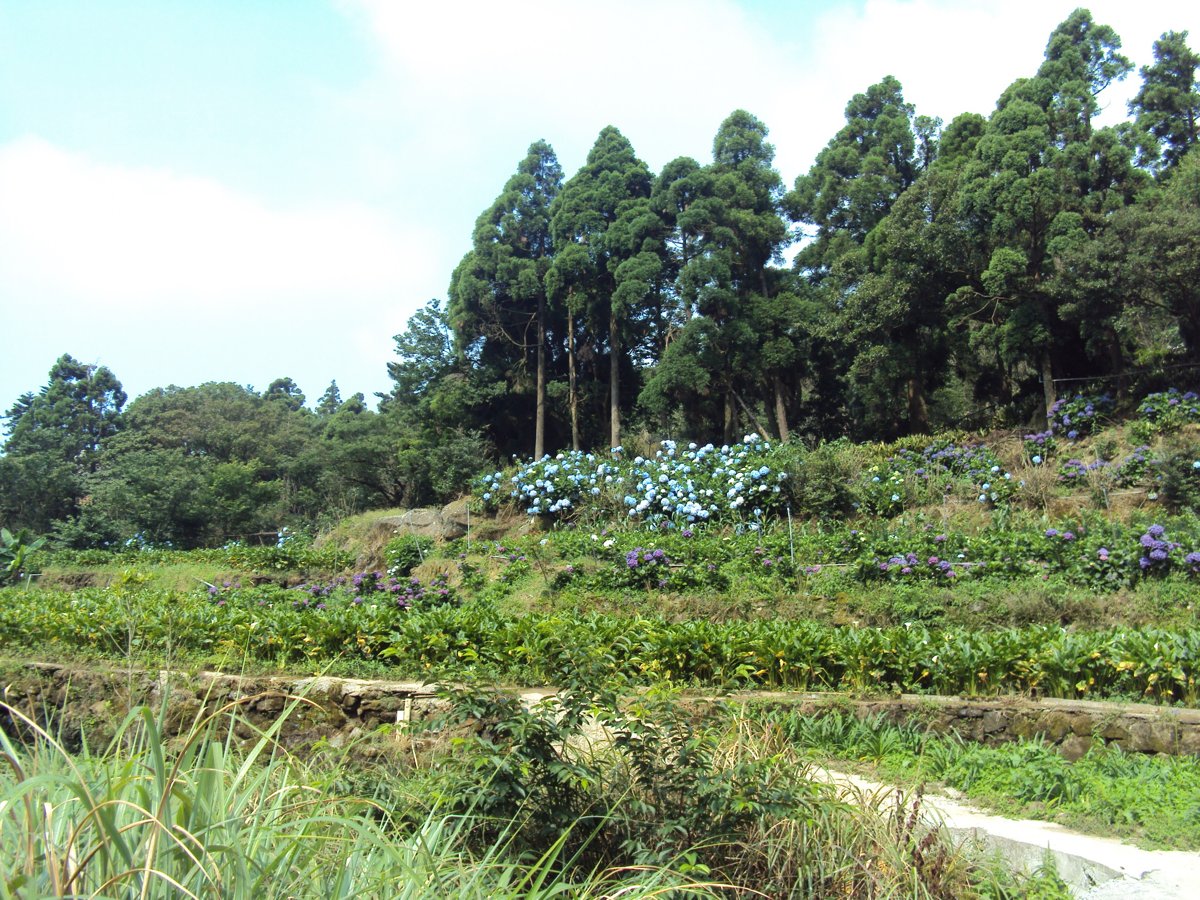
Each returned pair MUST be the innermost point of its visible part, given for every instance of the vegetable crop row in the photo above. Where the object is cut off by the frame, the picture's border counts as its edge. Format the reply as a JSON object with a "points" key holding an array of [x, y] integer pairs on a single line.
{"points": [[566, 648]]}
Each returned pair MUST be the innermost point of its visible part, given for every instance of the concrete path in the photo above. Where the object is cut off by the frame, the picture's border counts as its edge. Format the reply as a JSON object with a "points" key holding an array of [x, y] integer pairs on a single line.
{"points": [[1097, 868]]}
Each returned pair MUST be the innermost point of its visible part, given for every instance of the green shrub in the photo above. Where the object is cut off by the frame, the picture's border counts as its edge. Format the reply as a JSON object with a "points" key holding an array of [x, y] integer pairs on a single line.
{"points": [[404, 553], [818, 482], [880, 491], [15, 550], [1180, 484]]}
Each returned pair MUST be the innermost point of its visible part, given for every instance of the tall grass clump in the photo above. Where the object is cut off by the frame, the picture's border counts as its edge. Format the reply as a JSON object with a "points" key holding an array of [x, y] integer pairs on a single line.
{"points": [[204, 816], [653, 783], [579, 799]]}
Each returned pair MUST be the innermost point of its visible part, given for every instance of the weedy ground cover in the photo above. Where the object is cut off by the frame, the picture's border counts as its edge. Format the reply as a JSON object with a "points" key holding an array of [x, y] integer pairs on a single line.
{"points": [[954, 565], [502, 801]]}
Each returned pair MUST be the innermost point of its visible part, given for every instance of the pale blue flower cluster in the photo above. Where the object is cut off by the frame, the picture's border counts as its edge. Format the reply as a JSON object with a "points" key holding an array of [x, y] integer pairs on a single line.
{"points": [[677, 485]]}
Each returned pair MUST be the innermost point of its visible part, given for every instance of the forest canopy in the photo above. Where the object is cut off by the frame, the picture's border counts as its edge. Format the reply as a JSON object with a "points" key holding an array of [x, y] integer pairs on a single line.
{"points": [[920, 275]]}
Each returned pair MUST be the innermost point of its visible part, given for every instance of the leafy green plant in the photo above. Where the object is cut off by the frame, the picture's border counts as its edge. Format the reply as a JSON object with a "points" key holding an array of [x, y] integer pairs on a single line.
{"points": [[404, 553], [272, 627], [1180, 483], [880, 492], [14, 553]]}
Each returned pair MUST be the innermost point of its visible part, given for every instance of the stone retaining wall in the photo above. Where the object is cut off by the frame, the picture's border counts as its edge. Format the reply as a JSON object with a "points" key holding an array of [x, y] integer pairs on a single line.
{"points": [[338, 709], [1071, 725], [97, 700]]}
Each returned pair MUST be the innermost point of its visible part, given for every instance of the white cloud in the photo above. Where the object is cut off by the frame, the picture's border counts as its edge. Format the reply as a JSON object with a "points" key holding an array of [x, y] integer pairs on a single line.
{"points": [[955, 57], [951, 57], [172, 278], [459, 89], [135, 238], [476, 75]]}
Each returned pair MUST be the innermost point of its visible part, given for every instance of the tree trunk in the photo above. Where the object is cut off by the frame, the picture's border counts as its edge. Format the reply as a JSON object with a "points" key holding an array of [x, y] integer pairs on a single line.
{"points": [[539, 424], [730, 416], [758, 428], [1115, 363], [1187, 315], [614, 380], [1048, 382], [780, 409], [918, 412], [572, 397]]}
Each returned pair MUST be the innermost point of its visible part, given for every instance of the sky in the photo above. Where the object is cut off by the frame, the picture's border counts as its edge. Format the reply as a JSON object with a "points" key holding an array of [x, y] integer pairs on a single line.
{"points": [[243, 190]]}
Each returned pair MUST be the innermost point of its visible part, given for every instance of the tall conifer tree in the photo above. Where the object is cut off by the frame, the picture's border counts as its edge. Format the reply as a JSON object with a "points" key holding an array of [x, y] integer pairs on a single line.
{"points": [[498, 293], [612, 183]]}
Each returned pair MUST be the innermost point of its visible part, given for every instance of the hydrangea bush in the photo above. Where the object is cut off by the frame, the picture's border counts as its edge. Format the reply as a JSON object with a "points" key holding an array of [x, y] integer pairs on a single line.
{"points": [[646, 567], [1077, 470], [975, 464], [676, 486], [1078, 416], [1158, 552], [1040, 446], [910, 565], [881, 492], [1134, 467], [1168, 410], [402, 592]]}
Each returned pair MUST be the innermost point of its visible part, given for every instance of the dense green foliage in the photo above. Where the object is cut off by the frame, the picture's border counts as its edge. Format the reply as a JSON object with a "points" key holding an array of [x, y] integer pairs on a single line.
{"points": [[14, 553], [945, 276], [202, 466], [55, 438], [417, 627]]}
